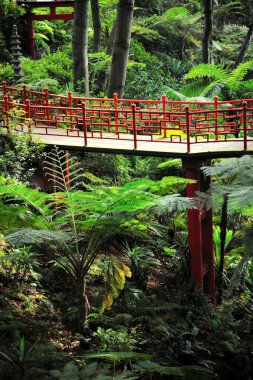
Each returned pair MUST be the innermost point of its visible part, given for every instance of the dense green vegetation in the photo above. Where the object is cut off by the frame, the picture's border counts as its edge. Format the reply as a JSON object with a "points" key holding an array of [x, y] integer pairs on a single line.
{"points": [[95, 277]]}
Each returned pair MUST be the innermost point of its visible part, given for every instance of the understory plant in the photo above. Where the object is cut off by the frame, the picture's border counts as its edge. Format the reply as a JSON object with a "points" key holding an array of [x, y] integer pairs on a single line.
{"points": [[233, 178], [92, 220]]}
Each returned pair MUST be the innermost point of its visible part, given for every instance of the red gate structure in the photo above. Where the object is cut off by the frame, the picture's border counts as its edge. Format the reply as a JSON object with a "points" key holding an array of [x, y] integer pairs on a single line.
{"points": [[192, 131], [52, 15]]}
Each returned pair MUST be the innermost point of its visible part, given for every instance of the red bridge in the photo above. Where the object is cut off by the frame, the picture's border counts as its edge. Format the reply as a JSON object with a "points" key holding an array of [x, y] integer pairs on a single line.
{"points": [[193, 131]]}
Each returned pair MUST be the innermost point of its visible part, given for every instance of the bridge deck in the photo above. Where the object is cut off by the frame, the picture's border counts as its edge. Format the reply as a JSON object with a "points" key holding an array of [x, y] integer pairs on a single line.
{"points": [[162, 148]]}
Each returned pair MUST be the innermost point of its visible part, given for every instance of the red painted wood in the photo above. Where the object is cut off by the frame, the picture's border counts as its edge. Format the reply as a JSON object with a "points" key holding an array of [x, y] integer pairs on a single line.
{"points": [[184, 123], [194, 224], [31, 35], [200, 231]]}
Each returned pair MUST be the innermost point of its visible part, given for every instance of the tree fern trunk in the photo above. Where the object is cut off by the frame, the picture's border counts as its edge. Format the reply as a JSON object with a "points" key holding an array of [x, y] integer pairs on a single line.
{"points": [[223, 232], [83, 303], [244, 46], [96, 26], [80, 46], [207, 32], [121, 47]]}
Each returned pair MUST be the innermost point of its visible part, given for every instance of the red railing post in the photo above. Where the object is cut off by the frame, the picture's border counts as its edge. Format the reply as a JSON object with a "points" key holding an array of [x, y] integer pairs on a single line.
{"points": [[244, 105], [70, 104], [187, 117], [115, 102], [28, 116], [24, 92], [134, 125], [84, 124], [164, 115], [6, 110], [216, 106], [47, 103]]}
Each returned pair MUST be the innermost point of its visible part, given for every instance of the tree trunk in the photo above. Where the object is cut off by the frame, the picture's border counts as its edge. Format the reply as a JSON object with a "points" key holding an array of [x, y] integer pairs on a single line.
{"points": [[207, 32], [80, 47], [96, 26], [121, 45], [83, 304], [244, 46], [223, 232]]}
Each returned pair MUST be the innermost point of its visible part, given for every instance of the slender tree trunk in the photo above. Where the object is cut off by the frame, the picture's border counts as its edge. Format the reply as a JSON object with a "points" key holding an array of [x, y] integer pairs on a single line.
{"points": [[245, 46], [82, 302], [80, 46], [97, 27], [110, 40], [223, 232], [207, 32], [121, 47]]}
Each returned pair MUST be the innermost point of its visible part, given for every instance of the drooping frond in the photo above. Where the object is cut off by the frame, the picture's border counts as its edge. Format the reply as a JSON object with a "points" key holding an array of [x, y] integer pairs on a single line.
{"points": [[37, 201], [213, 88], [14, 216], [206, 70], [239, 74], [35, 237], [116, 274], [224, 169], [236, 179]]}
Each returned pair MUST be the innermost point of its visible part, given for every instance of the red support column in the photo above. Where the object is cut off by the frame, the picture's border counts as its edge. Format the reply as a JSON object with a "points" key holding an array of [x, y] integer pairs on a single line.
{"points": [[200, 230], [31, 36]]}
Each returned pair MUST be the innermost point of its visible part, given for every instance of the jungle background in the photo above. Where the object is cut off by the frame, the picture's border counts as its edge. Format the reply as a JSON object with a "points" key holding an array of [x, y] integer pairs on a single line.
{"points": [[95, 278]]}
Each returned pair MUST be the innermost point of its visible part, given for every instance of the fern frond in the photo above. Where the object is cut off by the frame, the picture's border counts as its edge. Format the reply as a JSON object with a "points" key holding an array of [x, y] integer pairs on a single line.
{"points": [[37, 201], [205, 70], [239, 73], [118, 356]]}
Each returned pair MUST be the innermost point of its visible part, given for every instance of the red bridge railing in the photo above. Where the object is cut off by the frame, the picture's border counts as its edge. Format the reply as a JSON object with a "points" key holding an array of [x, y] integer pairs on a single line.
{"points": [[137, 120]]}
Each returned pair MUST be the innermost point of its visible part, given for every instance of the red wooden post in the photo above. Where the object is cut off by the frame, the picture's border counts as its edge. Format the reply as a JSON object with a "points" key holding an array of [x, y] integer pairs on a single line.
{"points": [[24, 92], [244, 105], [31, 35], [216, 106], [70, 106], [46, 91], [115, 102], [200, 231], [84, 124], [164, 115], [134, 125], [28, 116], [187, 118], [67, 173], [194, 224], [6, 110]]}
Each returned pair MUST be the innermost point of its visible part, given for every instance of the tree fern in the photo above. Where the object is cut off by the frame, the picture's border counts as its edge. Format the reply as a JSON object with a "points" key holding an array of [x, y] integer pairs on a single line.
{"points": [[38, 202], [90, 219], [239, 74], [209, 71]]}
